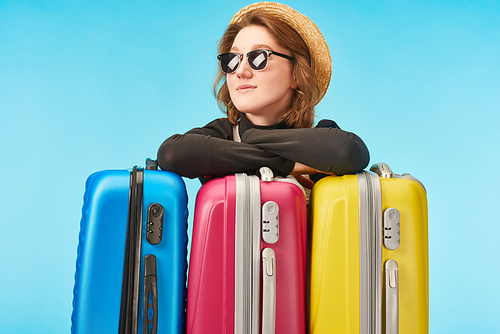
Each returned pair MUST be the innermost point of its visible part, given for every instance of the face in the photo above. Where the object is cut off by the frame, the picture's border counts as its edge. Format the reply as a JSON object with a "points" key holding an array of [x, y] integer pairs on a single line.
{"points": [[264, 96]]}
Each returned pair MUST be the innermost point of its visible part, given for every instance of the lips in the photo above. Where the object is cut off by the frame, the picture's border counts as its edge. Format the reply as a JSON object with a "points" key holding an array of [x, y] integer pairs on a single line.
{"points": [[245, 88]]}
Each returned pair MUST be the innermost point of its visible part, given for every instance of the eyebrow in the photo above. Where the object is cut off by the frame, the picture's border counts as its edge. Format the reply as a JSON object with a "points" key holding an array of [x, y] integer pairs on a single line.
{"points": [[254, 47]]}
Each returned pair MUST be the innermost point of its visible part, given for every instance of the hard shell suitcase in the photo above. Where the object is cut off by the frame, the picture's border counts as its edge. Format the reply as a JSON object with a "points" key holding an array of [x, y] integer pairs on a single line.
{"points": [[247, 271], [131, 262], [369, 257]]}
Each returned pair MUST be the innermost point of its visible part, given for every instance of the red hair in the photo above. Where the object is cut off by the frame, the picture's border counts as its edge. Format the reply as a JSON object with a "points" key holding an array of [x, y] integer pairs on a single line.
{"points": [[307, 93]]}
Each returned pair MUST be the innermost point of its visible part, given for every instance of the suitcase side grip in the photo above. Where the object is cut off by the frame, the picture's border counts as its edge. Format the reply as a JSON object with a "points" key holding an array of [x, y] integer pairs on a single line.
{"points": [[150, 296], [391, 297], [268, 291]]}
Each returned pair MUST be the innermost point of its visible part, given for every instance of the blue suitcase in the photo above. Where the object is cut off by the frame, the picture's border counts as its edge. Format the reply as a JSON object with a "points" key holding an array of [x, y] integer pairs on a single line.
{"points": [[131, 262]]}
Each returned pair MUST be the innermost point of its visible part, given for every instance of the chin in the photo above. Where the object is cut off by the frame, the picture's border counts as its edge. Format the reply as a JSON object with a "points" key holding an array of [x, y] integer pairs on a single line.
{"points": [[248, 112], [245, 109]]}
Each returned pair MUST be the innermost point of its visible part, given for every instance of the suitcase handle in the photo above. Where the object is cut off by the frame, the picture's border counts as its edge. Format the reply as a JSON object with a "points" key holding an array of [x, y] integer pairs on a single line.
{"points": [[266, 174], [151, 164], [268, 291], [391, 297], [382, 169], [150, 296]]}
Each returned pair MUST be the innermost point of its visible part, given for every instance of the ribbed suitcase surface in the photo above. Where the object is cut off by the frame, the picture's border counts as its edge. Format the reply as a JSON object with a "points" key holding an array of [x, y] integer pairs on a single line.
{"points": [[100, 259], [369, 257], [215, 274]]}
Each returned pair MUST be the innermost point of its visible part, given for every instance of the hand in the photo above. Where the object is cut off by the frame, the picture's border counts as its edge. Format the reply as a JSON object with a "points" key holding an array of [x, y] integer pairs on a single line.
{"points": [[300, 170]]}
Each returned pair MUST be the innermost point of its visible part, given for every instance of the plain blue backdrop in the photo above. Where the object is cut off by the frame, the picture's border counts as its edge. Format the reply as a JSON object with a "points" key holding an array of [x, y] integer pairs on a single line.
{"points": [[92, 85]]}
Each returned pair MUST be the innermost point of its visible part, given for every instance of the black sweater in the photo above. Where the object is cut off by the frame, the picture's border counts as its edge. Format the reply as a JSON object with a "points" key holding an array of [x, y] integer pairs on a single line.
{"points": [[211, 152]]}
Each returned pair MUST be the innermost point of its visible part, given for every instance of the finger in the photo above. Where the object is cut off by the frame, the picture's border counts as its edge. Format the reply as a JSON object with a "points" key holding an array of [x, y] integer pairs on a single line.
{"points": [[305, 181]]}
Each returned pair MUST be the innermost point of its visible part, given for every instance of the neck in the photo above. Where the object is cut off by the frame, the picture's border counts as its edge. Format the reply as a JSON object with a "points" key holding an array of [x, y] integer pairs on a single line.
{"points": [[263, 120]]}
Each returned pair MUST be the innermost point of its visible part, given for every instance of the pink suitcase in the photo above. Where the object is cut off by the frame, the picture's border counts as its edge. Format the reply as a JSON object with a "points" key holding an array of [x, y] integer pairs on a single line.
{"points": [[248, 258]]}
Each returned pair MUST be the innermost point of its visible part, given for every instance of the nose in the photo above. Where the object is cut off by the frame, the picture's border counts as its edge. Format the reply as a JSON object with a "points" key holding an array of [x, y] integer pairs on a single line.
{"points": [[244, 70]]}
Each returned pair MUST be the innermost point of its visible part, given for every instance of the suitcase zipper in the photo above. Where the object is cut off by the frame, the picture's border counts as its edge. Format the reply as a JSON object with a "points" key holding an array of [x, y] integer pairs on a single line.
{"points": [[370, 243], [240, 266], [255, 224], [129, 308], [247, 255], [247, 260]]}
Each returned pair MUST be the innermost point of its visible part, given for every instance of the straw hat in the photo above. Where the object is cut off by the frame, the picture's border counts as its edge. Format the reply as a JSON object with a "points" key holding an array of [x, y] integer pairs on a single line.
{"points": [[310, 33]]}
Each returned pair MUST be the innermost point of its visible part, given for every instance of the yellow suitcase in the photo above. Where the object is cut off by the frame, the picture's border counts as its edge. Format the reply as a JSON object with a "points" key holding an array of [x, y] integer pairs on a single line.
{"points": [[369, 269]]}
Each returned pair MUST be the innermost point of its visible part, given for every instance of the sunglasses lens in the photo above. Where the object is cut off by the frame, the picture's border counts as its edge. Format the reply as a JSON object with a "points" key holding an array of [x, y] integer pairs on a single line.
{"points": [[257, 60], [229, 62]]}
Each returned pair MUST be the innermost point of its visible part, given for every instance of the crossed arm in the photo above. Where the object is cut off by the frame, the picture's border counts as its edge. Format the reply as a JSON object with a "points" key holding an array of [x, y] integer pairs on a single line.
{"points": [[210, 152]]}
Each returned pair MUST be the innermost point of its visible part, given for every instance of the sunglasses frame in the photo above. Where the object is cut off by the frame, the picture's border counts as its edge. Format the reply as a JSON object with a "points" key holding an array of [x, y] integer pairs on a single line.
{"points": [[240, 58]]}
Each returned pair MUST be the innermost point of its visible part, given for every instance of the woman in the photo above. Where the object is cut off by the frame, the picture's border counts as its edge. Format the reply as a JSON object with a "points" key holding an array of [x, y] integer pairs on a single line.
{"points": [[275, 67]]}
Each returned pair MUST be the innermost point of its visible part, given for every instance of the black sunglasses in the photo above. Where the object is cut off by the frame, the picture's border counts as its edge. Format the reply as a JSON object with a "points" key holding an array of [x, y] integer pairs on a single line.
{"points": [[257, 59]]}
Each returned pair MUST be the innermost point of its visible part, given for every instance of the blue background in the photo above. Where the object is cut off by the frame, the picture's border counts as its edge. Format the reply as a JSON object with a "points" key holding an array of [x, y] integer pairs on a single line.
{"points": [[92, 85]]}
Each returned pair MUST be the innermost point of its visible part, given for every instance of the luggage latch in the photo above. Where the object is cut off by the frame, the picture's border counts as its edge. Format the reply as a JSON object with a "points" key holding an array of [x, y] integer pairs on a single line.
{"points": [[270, 222], [392, 232], [154, 225]]}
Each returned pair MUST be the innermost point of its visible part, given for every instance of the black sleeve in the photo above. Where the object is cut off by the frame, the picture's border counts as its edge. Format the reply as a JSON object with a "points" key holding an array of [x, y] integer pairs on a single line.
{"points": [[210, 152], [326, 148]]}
